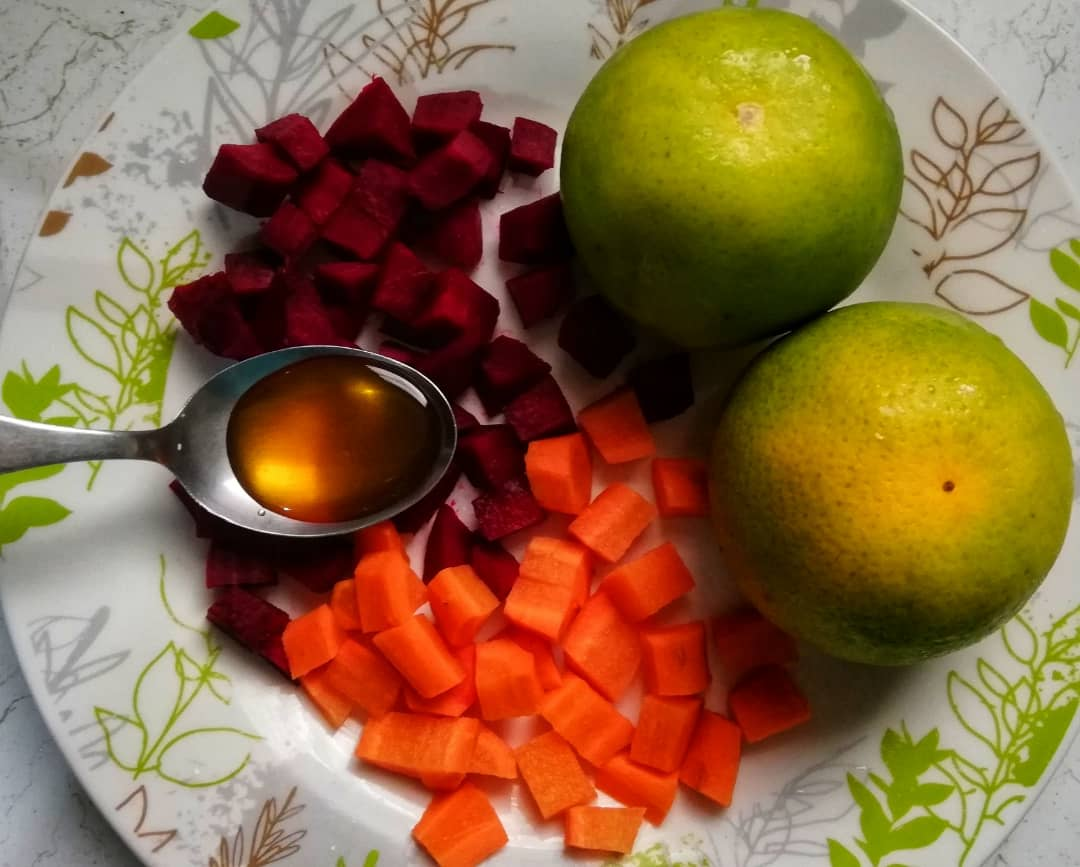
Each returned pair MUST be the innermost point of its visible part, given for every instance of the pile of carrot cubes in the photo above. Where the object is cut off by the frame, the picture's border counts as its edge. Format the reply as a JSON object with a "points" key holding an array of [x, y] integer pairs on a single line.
{"points": [[433, 690]]}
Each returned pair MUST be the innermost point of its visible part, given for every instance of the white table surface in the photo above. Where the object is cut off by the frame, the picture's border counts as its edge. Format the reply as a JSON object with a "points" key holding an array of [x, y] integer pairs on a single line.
{"points": [[62, 62]]}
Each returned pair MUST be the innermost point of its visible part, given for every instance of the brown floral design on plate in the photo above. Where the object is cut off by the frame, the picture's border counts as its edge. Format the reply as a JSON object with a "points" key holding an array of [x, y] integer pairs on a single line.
{"points": [[87, 165], [270, 839]]}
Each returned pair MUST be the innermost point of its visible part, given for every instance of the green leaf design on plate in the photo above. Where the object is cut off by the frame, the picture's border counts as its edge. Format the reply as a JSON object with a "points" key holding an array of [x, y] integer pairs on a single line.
{"points": [[1048, 324], [165, 691], [213, 25], [1066, 267], [1013, 716], [1067, 308], [22, 513]]}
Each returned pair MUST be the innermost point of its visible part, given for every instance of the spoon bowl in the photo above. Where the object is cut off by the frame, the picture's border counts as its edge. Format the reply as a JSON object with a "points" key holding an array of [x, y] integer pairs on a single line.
{"points": [[193, 446]]}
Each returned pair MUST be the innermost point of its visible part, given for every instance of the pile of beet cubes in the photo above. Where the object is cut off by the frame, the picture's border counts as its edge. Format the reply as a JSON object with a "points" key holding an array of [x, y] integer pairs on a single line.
{"points": [[381, 216]]}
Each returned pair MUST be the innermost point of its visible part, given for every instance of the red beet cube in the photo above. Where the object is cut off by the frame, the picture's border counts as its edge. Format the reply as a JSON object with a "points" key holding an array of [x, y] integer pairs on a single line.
{"points": [[464, 419], [497, 140], [372, 211], [450, 173], [542, 292], [237, 566], [290, 232], [491, 455], [248, 619], [318, 566], [296, 139], [540, 412], [441, 116], [405, 284], [306, 320], [495, 566], [507, 510], [420, 512], [375, 124], [507, 368], [274, 653], [208, 311], [448, 545], [532, 147], [249, 178], [399, 353], [596, 336], [324, 191], [453, 367], [664, 386], [536, 233], [207, 526], [456, 236], [458, 305], [248, 273], [345, 289]]}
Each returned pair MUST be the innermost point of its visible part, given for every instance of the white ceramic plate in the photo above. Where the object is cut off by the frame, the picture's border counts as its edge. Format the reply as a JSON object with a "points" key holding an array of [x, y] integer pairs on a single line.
{"points": [[200, 756]]}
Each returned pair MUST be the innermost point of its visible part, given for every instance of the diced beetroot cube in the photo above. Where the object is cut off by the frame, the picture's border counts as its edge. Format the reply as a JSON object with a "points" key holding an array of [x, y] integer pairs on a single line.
{"points": [[495, 566], [541, 293], [464, 419], [532, 147], [507, 510], [374, 125], [453, 367], [596, 336], [297, 139], [535, 233], [491, 455], [208, 311], [248, 273], [306, 320], [457, 305], [540, 412], [318, 566], [324, 191], [405, 284], [274, 653], [420, 512], [290, 232], [450, 173], [237, 566], [449, 544], [441, 116], [456, 236], [249, 178], [267, 319], [664, 386], [348, 283], [507, 368], [372, 211], [497, 140], [247, 618]]}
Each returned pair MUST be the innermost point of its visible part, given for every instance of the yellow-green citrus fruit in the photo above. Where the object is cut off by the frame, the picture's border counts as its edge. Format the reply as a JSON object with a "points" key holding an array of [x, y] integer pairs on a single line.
{"points": [[890, 482], [729, 174]]}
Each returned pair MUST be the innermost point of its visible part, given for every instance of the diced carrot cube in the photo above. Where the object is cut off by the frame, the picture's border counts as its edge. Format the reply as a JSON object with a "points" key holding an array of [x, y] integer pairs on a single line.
{"points": [[456, 700], [540, 607], [416, 745], [387, 590], [712, 760], [665, 726], [417, 650], [603, 829], [492, 757], [558, 562], [617, 428], [460, 828], [681, 487], [560, 473], [587, 720], [602, 647], [553, 774], [383, 536], [506, 681], [547, 671], [461, 603], [312, 640], [364, 677], [766, 702], [343, 604], [638, 786], [610, 523], [675, 661], [643, 586], [334, 707]]}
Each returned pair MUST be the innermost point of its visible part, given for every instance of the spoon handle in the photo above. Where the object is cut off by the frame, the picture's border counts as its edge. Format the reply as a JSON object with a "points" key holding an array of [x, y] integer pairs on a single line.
{"points": [[25, 444]]}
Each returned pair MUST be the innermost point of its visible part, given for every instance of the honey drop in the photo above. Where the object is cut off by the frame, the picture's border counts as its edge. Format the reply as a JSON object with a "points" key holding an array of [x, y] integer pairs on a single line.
{"points": [[332, 439]]}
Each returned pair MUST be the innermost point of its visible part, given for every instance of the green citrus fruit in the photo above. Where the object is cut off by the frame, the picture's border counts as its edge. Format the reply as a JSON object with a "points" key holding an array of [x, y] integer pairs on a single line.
{"points": [[890, 482], [729, 174]]}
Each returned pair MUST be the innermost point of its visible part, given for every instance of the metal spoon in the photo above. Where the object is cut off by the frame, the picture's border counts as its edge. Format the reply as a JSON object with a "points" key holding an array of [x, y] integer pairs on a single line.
{"points": [[193, 445]]}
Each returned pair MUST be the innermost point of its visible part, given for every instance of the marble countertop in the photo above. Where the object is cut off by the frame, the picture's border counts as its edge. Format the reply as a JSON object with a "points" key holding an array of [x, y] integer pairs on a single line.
{"points": [[62, 62]]}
